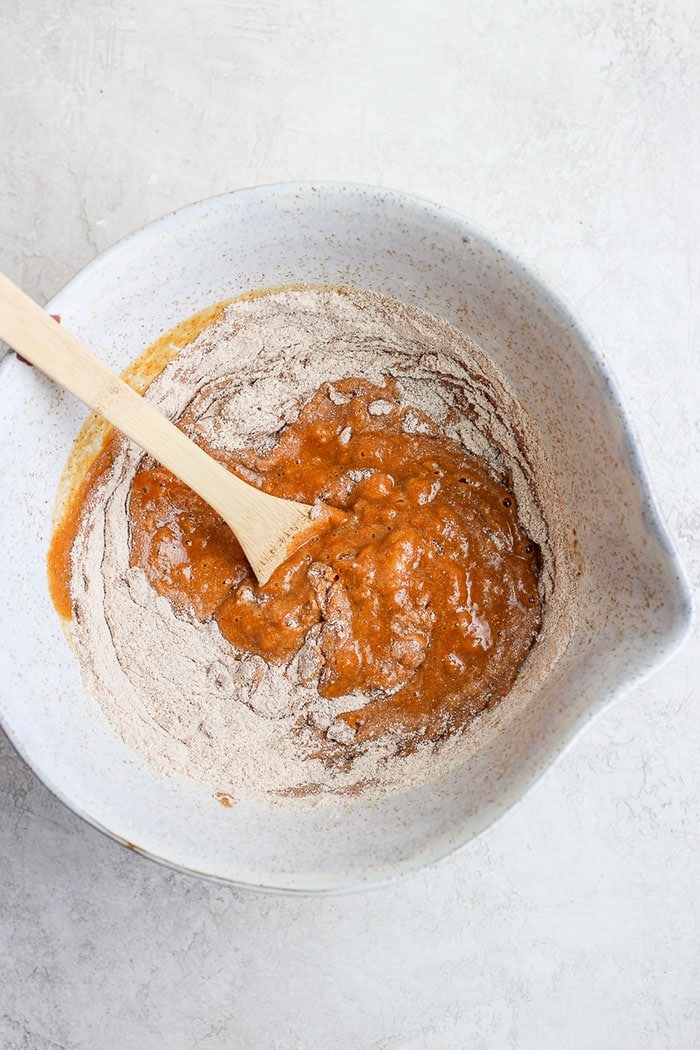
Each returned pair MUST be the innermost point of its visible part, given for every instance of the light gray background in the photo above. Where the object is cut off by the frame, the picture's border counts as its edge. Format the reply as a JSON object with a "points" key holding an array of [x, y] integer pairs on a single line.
{"points": [[570, 131]]}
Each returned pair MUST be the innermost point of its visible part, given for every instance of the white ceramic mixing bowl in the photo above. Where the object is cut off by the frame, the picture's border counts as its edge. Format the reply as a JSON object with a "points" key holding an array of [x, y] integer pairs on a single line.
{"points": [[634, 608]]}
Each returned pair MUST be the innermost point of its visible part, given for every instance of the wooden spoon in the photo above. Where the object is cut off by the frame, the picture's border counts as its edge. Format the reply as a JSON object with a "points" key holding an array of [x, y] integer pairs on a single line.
{"points": [[268, 528]]}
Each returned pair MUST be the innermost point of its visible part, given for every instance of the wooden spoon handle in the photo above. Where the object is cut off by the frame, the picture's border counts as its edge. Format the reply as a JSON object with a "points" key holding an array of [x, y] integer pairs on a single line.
{"points": [[37, 337]]}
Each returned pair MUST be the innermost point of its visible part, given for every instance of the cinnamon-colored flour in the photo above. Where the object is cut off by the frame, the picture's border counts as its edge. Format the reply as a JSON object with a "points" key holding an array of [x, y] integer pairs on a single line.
{"points": [[291, 690]]}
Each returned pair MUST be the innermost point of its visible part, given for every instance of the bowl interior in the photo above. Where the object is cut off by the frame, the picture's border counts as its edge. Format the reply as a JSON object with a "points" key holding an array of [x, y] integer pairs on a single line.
{"points": [[633, 603]]}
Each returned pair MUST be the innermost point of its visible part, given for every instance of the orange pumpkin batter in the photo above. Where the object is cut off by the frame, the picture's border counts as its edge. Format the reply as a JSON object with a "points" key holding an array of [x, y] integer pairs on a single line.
{"points": [[423, 599]]}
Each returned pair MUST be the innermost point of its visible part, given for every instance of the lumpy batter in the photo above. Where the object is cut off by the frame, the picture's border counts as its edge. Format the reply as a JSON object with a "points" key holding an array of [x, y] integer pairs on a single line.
{"points": [[424, 599]]}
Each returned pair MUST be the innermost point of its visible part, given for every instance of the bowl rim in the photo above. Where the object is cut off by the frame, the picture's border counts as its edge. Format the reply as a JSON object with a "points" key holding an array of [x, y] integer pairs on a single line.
{"points": [[674, 637]]}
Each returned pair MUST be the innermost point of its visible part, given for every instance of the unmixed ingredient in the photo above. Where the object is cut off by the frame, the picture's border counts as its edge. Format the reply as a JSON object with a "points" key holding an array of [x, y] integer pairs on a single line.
{"points": [[363, 662]]}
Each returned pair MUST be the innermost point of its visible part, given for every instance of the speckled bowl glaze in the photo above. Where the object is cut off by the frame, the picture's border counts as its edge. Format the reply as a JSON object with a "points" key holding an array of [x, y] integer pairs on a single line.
{"points": [[634, 608]]}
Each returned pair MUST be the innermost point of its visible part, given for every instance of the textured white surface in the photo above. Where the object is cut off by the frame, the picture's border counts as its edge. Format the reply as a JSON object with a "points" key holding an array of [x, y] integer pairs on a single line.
{"points": [[570, 133]]}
